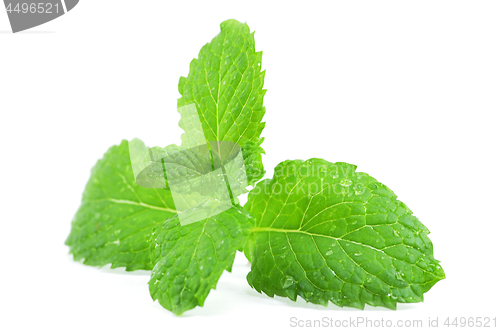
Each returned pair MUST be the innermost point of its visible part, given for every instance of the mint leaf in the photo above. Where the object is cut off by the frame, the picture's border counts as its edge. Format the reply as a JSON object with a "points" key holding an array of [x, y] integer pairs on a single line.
{"points": [[116, 217], [327, 233], [190, 259], [226, 85]]}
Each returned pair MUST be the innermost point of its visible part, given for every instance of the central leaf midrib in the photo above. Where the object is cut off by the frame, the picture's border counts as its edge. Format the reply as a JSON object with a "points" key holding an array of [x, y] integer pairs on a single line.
{"points": [[337, 239], [128, 202]]}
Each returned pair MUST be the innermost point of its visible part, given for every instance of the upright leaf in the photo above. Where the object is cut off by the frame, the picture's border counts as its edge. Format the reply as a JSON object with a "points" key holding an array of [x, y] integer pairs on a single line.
{"points": [[327, 233], [226, 85]]}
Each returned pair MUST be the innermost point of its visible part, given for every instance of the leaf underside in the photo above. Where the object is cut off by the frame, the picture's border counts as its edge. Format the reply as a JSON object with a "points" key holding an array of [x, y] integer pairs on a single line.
{"points": [[327, 233]]}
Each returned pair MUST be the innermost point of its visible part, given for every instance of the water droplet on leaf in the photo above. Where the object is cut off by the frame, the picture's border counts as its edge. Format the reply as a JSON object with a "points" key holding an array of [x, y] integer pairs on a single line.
{"points": [[346, 182], [287, 281]]}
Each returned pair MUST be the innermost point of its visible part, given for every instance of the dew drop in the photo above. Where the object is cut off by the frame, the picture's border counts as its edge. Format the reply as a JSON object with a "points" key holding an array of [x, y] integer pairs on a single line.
{"points": [[359, 189], [287, 281], [346, 182], [329, 252]]}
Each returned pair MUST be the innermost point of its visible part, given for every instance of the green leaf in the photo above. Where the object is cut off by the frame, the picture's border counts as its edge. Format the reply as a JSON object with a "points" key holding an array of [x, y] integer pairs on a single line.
{"points": [[226, 85], [190, 259], [327, 233], [116, 216]]}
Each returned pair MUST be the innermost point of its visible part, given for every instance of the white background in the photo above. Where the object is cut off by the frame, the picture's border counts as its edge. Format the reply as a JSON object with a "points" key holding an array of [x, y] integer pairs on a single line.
{"points": [[408, 91]]}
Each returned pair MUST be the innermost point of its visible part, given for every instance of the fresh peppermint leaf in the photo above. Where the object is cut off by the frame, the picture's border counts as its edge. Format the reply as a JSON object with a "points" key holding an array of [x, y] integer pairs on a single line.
{"points": [[116, 217], [225, 84], [327, 233], [190, 259]]}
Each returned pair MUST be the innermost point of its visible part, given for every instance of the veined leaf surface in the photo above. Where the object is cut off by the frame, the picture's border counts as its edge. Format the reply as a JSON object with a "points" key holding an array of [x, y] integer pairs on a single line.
{"points": [[116, 216], [327, 233]]}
